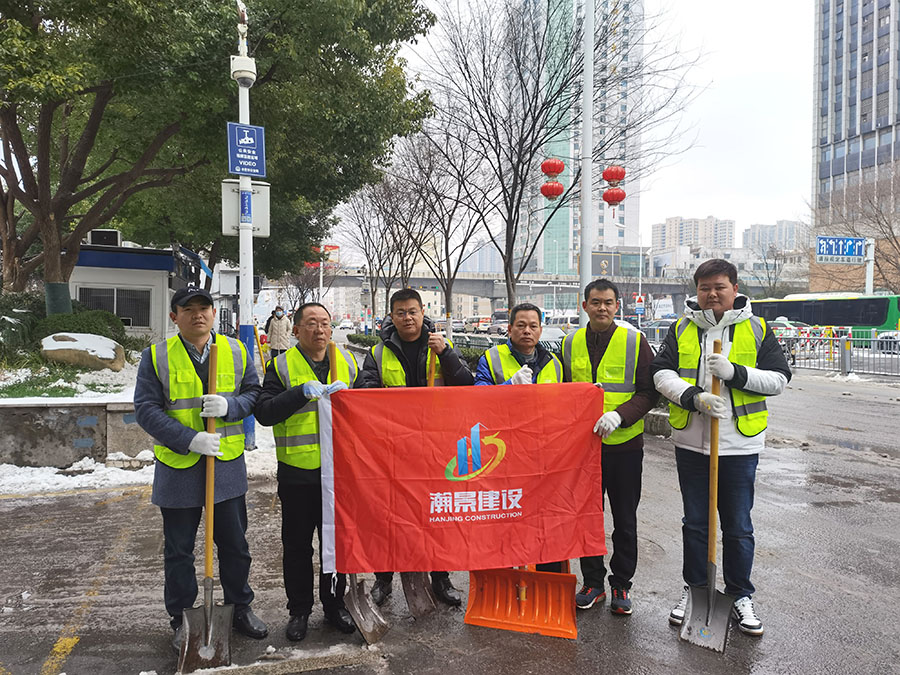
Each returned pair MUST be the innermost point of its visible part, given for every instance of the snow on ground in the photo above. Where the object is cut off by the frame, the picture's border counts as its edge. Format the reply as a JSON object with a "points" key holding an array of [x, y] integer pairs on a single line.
{"points": [[96, 345]]}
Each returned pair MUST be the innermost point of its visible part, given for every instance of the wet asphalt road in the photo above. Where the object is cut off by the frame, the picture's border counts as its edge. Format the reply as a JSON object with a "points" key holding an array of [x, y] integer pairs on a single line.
{"points": [[81, 582]]}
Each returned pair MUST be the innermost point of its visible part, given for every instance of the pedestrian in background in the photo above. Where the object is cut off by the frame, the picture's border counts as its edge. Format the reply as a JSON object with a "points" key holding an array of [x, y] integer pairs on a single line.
{"points": [[752, 367], [279, 332], [295, 380], [171, 404], [618, 359], [401, 360]]}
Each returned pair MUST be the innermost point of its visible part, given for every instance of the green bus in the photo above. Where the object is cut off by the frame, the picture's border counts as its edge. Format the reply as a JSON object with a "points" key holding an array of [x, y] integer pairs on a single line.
{"points": [[856, 311]]}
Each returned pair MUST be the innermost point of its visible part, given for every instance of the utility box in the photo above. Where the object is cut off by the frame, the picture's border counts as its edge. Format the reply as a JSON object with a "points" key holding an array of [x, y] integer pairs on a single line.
{"points": [[231, 208]]}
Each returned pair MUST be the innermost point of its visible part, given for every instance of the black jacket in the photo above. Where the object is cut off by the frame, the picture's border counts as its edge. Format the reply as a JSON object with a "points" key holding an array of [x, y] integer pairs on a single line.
{"points": [[453, 367]]}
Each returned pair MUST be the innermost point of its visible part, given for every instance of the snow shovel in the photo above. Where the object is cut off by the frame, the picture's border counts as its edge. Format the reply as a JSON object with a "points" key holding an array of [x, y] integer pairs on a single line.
{"points": [[365, 615], [207, 629], [708, 611], [523, 600], [416, 585]]}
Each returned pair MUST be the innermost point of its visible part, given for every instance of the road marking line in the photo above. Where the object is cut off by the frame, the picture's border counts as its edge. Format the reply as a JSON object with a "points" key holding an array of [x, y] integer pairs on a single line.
{"points": [[68, 636]]}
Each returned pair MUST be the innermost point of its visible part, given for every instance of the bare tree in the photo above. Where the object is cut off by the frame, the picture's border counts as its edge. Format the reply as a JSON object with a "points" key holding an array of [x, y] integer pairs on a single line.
{"points": [[302, 286], [507, 82]]}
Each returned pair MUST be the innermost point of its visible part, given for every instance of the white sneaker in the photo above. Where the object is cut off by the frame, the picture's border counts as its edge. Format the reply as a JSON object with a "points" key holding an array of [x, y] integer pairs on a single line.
{"points": [[676, 616], [746, 617]]}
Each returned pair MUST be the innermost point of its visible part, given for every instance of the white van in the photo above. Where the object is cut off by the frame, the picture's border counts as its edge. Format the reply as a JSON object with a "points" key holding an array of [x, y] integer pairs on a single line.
{"points": [[566, 322]]}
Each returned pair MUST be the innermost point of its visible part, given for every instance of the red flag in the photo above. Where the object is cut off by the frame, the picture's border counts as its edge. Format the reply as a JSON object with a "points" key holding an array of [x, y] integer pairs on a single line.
{"points": [[457, 478]]}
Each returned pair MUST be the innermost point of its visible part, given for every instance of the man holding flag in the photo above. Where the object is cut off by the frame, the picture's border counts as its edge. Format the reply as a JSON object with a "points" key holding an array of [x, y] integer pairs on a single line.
{"points": [[618, 359], [294, 381], [401, 360]]}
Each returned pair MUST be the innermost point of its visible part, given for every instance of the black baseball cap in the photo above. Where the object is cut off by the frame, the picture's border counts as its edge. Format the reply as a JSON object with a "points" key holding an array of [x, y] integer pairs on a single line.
{"points": [[184, 295]]}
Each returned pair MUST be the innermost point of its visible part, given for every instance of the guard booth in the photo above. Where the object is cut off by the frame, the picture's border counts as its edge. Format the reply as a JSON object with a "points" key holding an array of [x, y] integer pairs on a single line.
{"points": [[133, 282]]}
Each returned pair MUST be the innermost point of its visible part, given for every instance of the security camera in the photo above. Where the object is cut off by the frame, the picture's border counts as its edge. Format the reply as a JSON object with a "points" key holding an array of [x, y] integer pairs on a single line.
{"points": [[243, 70]]}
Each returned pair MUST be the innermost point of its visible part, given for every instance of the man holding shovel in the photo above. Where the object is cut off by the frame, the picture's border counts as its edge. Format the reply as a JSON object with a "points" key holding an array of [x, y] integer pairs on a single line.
{"points": [[751, 367], [401, 360], [295, 380], [169, 406], [618, 359]]}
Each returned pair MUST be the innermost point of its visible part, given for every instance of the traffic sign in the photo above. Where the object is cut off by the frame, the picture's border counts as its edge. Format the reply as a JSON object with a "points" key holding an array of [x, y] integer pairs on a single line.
{"points": [[841, 250], [246, 150], [639, 305]]}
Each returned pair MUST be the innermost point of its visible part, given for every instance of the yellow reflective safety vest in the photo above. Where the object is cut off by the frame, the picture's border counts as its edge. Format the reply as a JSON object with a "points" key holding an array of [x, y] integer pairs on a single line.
{"points": [[503, 366], [297, 437], [750, 412], [392, 373], [183, 392], [616, 373]]}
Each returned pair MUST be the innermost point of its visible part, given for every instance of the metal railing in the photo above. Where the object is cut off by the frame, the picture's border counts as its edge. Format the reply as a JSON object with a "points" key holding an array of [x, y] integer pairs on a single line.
{"points": [[860, 354]]}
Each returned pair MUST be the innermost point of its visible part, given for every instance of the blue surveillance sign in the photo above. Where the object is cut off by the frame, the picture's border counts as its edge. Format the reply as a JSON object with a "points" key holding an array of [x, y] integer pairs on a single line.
{"points": [[246, 150], [841, 250]]}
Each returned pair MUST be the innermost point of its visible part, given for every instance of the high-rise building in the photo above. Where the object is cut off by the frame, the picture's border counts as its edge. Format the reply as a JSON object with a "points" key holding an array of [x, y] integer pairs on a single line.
{"points": [[678, 231], [784, 235]]}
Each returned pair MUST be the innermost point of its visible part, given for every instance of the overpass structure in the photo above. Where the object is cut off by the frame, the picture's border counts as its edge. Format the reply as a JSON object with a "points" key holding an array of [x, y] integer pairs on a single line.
{"points": [[493, 286]]}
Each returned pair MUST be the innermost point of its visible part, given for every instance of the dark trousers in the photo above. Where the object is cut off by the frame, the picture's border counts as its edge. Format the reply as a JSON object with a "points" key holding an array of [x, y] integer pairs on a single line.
{"points": [[737, 477], [389, 576], [622, 487], [301, 516], [229, 534]]}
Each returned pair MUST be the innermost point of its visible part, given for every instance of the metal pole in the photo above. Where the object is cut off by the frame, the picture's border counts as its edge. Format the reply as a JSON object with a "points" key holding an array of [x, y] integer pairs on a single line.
{"points": [[870, 266], [587, 148], [245, 234]]}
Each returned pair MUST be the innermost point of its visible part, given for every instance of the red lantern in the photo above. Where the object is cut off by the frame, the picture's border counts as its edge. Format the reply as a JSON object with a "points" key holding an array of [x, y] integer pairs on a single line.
{"points": [[552, 167], [614, 196], [552, 189], [613, 175]]}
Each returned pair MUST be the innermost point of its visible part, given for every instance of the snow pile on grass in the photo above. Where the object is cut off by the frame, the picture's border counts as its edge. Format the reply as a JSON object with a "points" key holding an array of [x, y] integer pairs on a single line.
{"points": [[10, 377], [96, 345]]}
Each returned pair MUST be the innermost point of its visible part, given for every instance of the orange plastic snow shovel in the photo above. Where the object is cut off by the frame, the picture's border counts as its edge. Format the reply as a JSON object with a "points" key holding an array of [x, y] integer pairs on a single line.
{"points": [[708, 611], [207, 629], [523, 600], [366, 616], [417, 589]]}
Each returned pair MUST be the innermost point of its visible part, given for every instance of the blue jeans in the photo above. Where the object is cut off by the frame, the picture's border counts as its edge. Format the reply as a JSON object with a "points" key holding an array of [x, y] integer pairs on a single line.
{"points": [[737, 475]]}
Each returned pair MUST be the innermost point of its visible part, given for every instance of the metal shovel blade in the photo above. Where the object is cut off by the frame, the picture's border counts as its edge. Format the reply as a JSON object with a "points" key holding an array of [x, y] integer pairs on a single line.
{"points": [[207, 636], [365, 614], [706, 618], [418, 592]]}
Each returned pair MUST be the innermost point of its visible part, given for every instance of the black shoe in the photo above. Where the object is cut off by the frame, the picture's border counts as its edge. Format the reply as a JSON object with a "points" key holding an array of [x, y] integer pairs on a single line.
{"points": [[445, 592], [247, 623], [296, 628], [340, 618], [178, 638], [380, 591]]}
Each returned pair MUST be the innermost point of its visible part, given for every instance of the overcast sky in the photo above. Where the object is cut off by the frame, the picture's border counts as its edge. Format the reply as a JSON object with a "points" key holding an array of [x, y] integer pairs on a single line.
{"points": [[752, 159]]}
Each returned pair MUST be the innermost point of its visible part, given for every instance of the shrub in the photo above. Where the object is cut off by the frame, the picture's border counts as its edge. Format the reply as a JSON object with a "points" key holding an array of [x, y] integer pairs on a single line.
{"points": [[364, 340], [93, 321]]}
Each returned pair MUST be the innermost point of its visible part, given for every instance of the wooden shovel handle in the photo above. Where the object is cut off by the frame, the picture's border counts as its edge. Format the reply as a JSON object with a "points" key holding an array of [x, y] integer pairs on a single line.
{"points": [[210, 468], [332, 361], [432, 365], [713, 468]]}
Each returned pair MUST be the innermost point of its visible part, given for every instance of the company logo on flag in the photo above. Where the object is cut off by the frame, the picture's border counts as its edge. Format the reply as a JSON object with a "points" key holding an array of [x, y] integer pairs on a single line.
{"points": [[460, 468]]}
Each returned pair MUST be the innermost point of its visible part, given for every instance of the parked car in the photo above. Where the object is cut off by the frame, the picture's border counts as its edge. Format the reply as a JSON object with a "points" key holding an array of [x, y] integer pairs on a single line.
{"points": [[499, 328], [888, 341], [552, 337], [656, 330], [565, 322], [346, 324], [458, 325]]}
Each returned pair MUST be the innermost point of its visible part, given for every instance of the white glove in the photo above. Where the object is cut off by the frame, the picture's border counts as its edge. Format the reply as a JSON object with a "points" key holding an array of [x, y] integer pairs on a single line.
{"points": [[721, 367], [313, 390], [214, 406], [336, 386], [607, 424], [712, 405], [206, 444], [523, 376]]}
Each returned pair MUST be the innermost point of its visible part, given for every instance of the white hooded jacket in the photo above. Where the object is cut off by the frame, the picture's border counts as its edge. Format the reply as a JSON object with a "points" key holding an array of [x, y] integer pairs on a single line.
{"points": [[768, 378]]}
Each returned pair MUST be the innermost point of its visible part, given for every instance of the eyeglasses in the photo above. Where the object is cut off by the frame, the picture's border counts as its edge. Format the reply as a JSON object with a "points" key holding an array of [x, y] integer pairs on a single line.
{"points": [[403, 313], [312, 325]]}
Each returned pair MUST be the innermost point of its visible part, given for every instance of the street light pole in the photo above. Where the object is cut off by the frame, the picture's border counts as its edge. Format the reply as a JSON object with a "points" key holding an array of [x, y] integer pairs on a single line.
{"points": [[587, 148], [243, 71]]}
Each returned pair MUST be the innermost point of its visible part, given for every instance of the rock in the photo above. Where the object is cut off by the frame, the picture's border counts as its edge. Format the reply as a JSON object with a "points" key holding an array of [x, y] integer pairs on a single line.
{"points": [[87, 351]]}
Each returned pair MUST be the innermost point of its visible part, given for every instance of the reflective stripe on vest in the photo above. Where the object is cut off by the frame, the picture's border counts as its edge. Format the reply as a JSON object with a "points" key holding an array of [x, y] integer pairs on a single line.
{"points": [[616, 372], [297, 437], [749, 410], [503, 366], [183, 395], [392, 373]]}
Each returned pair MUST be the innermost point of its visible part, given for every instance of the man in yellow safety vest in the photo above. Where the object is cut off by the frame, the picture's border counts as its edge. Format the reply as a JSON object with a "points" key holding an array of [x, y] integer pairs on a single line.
{"points": [[294, 382], [618, 359], [171, 404], [752, 367], [401, 360]]}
